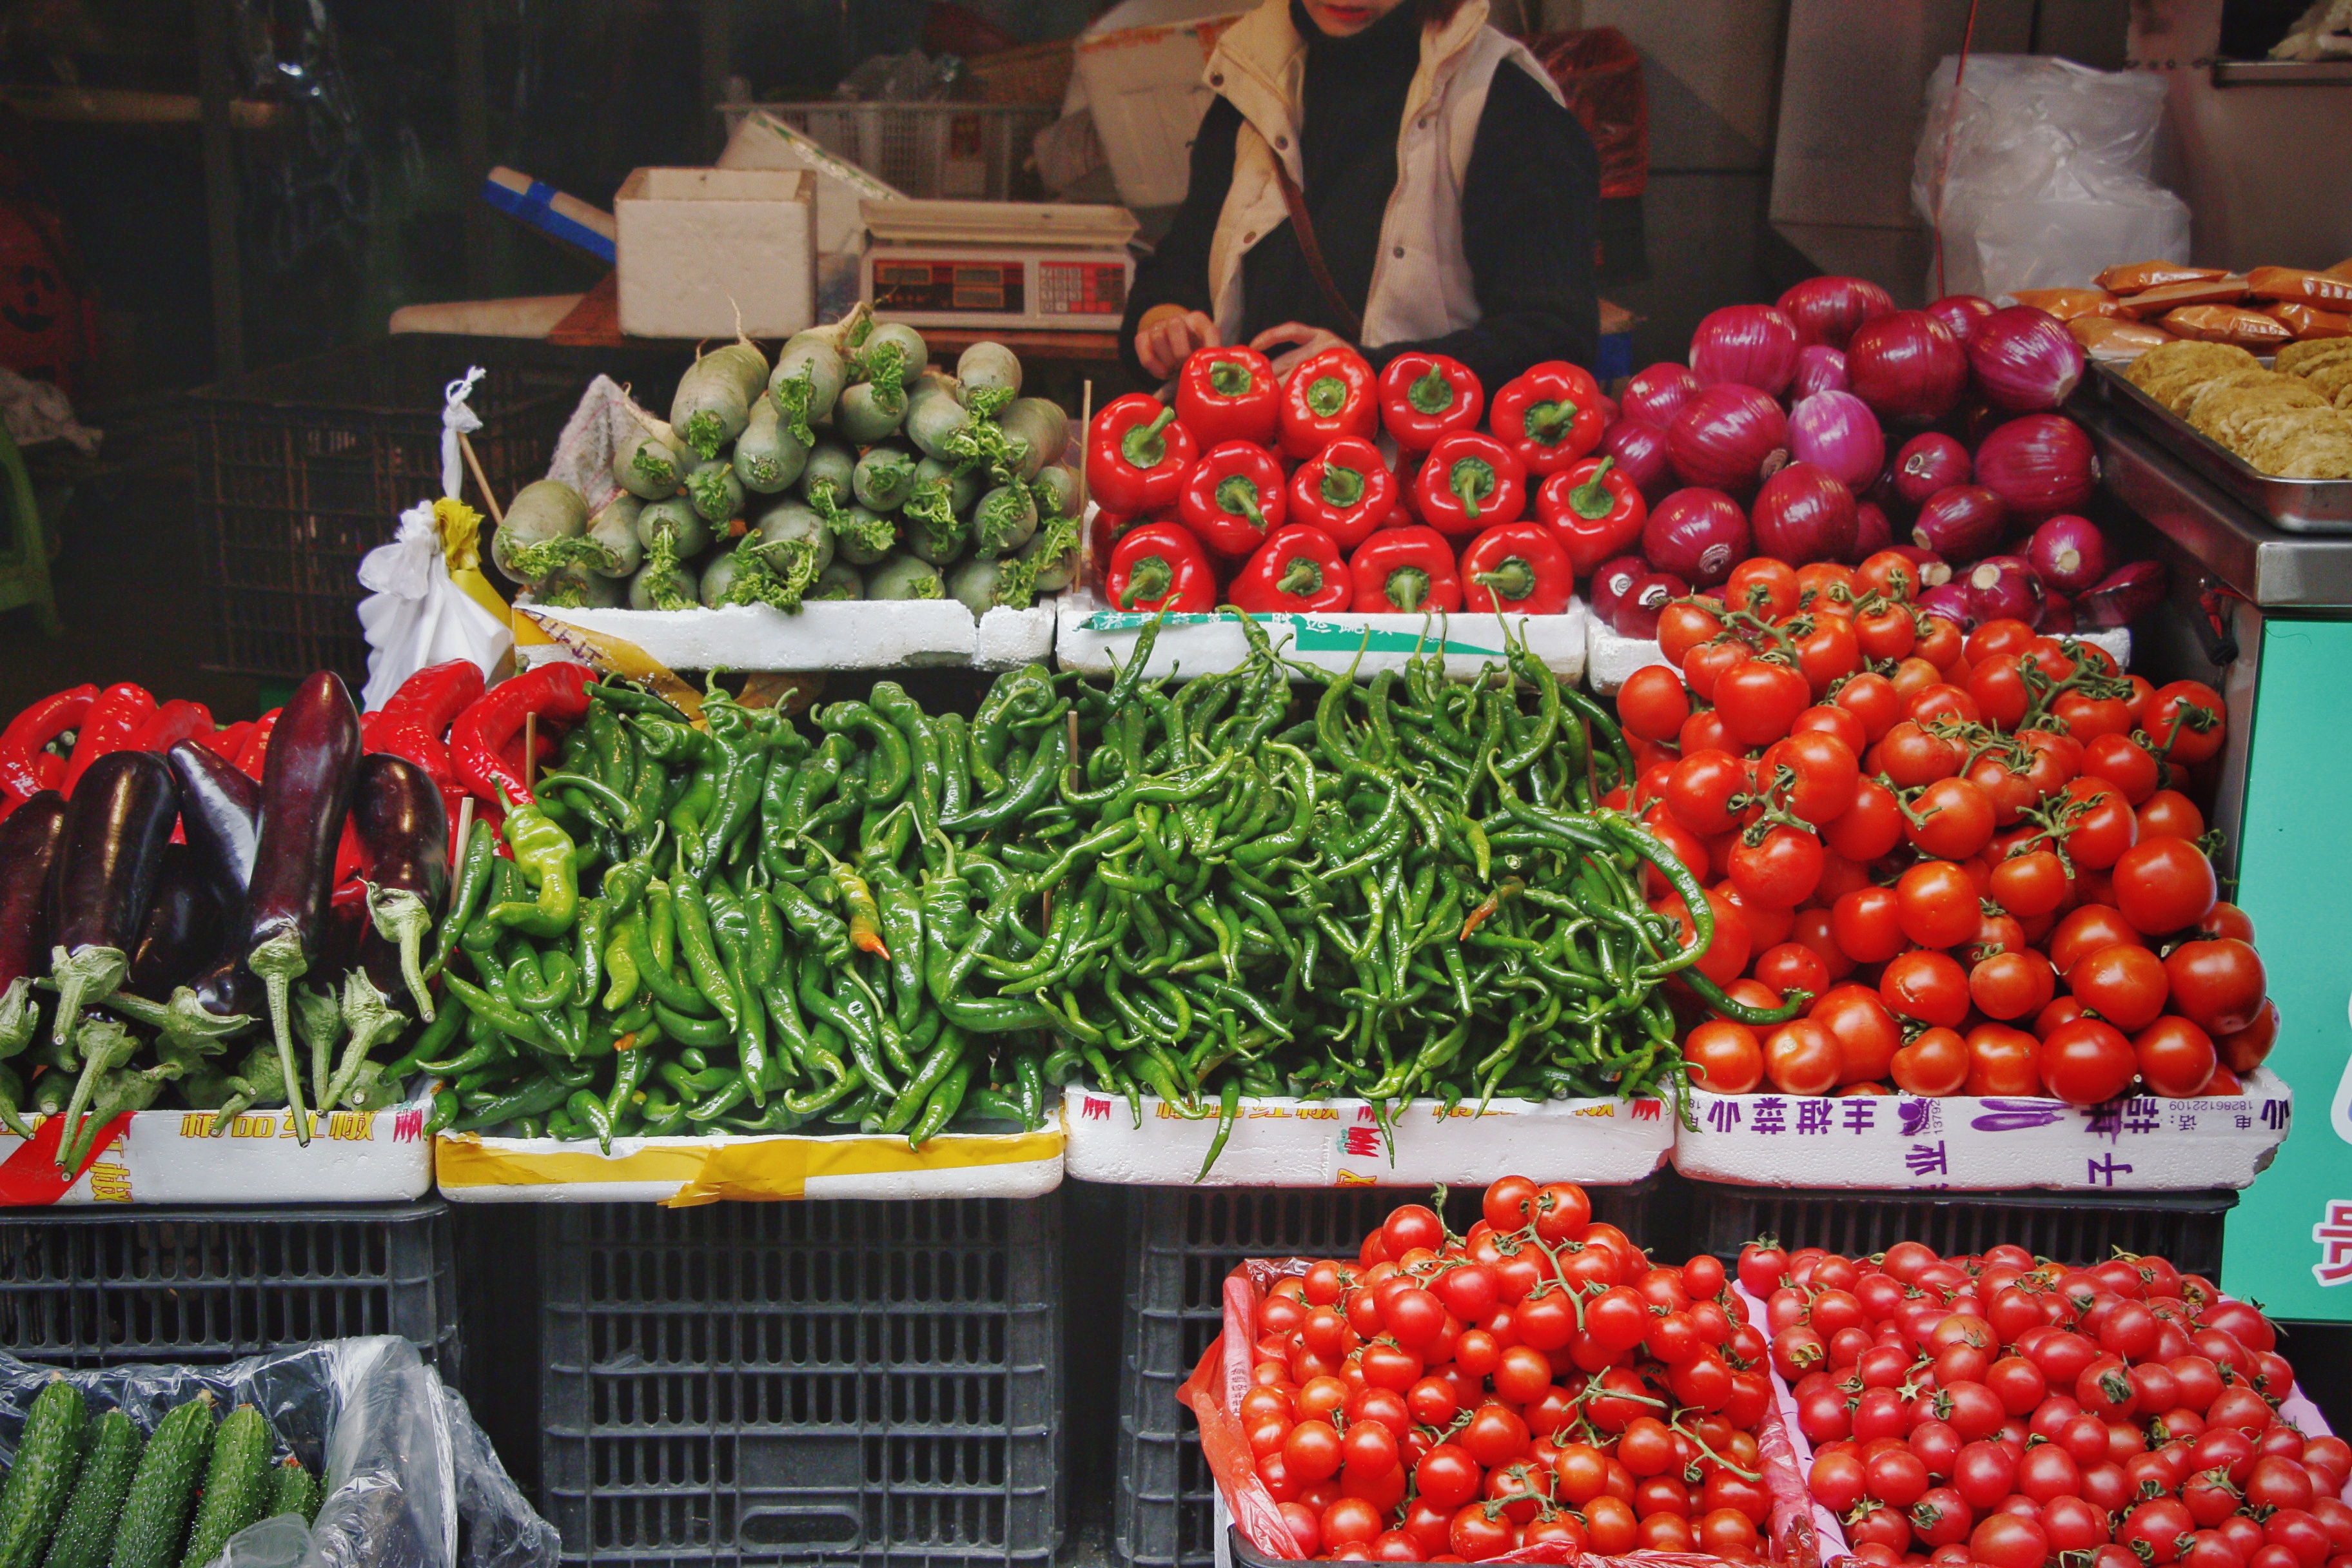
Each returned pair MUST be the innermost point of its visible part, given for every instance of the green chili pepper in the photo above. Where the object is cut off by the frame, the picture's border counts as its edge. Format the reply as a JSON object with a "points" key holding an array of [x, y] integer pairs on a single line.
{"points": [[473, 877], [545, 854]]}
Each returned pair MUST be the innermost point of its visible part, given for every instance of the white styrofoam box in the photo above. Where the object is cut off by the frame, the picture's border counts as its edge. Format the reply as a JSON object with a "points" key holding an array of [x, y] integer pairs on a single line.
{"points": [[1090, 634], [172, 1157], [1611, 660], [1341, 1143], [824, 633], [1963, 1142], [705, 253], [1144, 87], [761, 141]]}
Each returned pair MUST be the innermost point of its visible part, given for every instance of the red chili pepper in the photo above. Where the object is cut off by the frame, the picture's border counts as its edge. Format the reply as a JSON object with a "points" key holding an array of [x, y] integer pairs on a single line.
{"points": [[1229, 395], [1550, 416], [257, 746], [30, 732], [1346, 490], [1327, 396], [1298, 569], [1405, 569], [228, 744], [1424, 397], [414, 721], [1233, 497], [1159, 566], [1594, 510], [114, 722], [1519, 567], [178, 719], [554, 691], [1138, 454], [1470, 481]]}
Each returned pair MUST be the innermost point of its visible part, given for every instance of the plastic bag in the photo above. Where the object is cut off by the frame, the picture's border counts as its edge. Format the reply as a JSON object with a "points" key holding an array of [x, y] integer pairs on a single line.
{"points": [[402, 1462], [2046, 180], [602, 418]]}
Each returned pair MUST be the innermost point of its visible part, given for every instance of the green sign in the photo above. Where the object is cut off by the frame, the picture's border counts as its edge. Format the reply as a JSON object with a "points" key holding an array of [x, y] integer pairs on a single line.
{"points": [[1312, 635], [2290, 1238]]}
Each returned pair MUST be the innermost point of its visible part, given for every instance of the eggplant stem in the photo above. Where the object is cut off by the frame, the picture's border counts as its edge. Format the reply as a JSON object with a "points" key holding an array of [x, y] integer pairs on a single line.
{"points": [[98, 1040], [186, 1022], [84, 978], [18, 1017], [373, 1020], [400, 916], [318, 1017], [278, 962]]}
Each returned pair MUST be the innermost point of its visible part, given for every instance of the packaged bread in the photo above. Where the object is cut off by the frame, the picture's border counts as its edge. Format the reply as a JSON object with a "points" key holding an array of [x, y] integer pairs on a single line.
{"points": [[2134, 275], [2341, 270], [2068, 304], [2226, 324], [2306, 322], [2150, 303], [2114, 340], [2299, 287]]}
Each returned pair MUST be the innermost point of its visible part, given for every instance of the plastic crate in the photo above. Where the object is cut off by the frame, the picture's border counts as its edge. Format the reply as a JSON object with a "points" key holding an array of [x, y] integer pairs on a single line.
{"points": [[753, 1382], [93, 1288], [1181, 1243], [2072, 1227], [304, 469], [970, 151]]}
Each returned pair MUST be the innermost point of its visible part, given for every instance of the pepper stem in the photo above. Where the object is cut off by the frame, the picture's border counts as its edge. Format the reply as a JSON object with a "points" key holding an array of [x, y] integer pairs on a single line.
{"points": [[373, 1020], [1408, 587], [1511, 579], [1547, 423], [278, 962], [1592, 501], [84, 978], [1143, 445], [1326, 396], [1150, 578], [400, 916], [1301, 575], [1431, 393], [1230, 377], [1342, 487], [1237, 494], [18, 1017], [1471, 479]]}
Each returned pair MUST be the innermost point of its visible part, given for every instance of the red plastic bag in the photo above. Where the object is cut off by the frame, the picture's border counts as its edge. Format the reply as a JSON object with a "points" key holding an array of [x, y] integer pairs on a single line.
{"points": [[1599, 74]]}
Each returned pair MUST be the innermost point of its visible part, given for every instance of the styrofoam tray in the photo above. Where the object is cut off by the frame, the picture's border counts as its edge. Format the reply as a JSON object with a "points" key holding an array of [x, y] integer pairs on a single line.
{"points": [[1088, 633], [170, 1157], [1340, 1142], [827, 634], [1904, 1142], [1609, 659]]}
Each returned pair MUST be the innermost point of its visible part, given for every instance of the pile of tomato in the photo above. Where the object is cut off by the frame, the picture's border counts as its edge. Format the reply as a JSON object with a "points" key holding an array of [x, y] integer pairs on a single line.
{"points": [[1997, 1411], [1537, 1382], [1978, 854]]}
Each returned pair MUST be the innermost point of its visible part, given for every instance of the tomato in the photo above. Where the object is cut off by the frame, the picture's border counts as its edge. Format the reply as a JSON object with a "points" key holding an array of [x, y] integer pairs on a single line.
{"points": [[2103, 827], [2188, 719], [2010, 985], [1700, 789], [1476, 1535], [1782, 871], [2164, 885], [1867, 925], [2157, 1531], [1762, 1268], [1837, 1480], [1911, 757], [1609, 1526], [2086, 1062], [1865, 1032], [1937, 904], [2176, 1056], [2243, 1051], [2169, 814], [2125, 763], [2124, 984], [1725, 1057], [1726, 956], [1821, 773], [1951, 819], [2242, 1324], [2276, 1482], [1495, 1434], [1757, 700], [2085, 931], [1935, 1063], [1802, 1057], [1927, 987], [1311, 1452], [1870, 697], [2030, 884], [2005, 1541], [2226, 919], [2002, 1061], [1653, 702], [1790, 967], [2218, 984]]}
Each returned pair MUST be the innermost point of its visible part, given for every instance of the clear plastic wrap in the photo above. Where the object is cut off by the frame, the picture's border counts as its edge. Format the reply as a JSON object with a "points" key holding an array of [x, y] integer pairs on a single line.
{"points": [[411, 1481]]}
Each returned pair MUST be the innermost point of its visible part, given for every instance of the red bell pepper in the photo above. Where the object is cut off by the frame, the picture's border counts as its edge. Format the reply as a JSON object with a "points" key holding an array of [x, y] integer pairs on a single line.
{"points": [[479, 736], [178, 719], [1594, 510], [1424, 397], [1405, 569], [1326, 396], [1299, 569], [1233, 497], [1105, 531], [1469, 482], [23, 743], [114, 722], [414, 721], [256, 744], [228, 744], [1519, 567], [1551, 417], [1137, 455], [1159, 566], [1346, 490], [1229, 395]]}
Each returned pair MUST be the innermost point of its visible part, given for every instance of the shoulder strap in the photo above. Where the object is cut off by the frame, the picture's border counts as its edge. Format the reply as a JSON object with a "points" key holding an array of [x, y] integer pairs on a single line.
{"points": [[1303, 226]]}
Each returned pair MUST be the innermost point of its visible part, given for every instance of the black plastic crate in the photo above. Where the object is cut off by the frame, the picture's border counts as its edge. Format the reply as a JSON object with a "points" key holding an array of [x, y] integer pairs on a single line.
{"points": [[1181, 1244], [304, 469], [96, 1287], [754, 1383], [2072, 1227]]}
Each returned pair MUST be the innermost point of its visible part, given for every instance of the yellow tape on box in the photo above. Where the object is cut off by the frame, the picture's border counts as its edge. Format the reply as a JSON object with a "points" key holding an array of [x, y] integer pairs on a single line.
{"points": [[471, 1168]]}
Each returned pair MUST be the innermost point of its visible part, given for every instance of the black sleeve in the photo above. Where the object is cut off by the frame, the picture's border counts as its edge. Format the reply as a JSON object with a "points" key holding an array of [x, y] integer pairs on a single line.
{"points": [[1529, 203], [1177, 271]]}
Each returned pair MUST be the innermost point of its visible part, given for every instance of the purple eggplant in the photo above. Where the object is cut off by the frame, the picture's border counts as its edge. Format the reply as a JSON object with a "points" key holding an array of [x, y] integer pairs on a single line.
{"points": [[185, 926], [30, 842], [220, 810], [306, 788], [404, 830]]}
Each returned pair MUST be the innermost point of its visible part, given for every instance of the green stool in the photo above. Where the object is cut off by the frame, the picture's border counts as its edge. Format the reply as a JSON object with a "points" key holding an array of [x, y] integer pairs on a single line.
{"points": [[23, 549]]}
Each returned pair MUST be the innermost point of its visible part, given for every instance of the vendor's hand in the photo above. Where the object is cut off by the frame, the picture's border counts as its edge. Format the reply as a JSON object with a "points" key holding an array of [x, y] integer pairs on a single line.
{"points": [[1311, 340], [1163, 345]]}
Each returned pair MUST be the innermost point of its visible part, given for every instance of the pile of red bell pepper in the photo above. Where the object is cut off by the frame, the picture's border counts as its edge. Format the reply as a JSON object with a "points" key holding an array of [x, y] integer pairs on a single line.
{"points": [[1332, 488]]}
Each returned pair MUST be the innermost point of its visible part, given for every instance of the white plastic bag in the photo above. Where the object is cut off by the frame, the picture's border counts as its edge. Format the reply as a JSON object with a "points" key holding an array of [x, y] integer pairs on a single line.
{"points": [[2046, 180]]}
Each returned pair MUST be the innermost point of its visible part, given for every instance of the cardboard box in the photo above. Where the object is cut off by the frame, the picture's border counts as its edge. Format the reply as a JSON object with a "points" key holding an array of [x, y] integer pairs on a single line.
{"points": [[701, 250], [1611, 660], [759, 139], [1144, 87], [172, 1157], [825, 634]]}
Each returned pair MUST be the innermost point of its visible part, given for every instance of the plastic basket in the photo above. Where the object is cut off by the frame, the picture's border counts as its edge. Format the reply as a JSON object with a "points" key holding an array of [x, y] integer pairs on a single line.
{"points": [[1181, 1243], [1600, 73], [2072, 1227], [972, 151], [755, 1383], [304, 469], [1036, 74], [91, 1287]]}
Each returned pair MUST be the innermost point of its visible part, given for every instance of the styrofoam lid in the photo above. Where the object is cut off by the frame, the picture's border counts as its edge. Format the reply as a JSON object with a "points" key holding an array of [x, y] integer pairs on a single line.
{"points": [[999, 222]]}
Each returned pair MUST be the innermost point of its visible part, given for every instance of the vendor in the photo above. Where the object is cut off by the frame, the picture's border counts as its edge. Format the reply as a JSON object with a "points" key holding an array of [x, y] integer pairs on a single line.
{"points": [[1394, 174]]}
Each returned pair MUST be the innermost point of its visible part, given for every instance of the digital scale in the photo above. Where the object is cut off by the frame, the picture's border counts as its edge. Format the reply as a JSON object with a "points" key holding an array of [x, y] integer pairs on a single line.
{"points": [[997, 263]]}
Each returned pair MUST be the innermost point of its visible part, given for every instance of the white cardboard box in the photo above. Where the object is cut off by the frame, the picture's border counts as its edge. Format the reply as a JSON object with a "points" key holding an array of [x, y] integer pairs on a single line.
{"points": [[703, 253], [170, 1157], [1611, 660], [761, 141], [1341, 1143], [1960, 1142], [1144, 87], [826, 633]]}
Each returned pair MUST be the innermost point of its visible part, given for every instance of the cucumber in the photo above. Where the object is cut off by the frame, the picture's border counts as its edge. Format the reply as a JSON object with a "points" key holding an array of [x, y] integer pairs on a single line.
{"points": [[717, 578], [155, 1514], [768, 456], [990, 375], [714, 396], [237, 1485], [541, 523], [612, 531], [1051, 575], [975, 583], [651, 461], [48, 1458], [838, 581], [869, 411], [1037, 431], [676, 524], [293, 1489], [86, 1533], [808, 378], [936, 414], [883, 477], [891, 356], [716, 492], [862, 536], [1005, 520], [652, 586], [904, 577], [790, 535], [1060, 490]]}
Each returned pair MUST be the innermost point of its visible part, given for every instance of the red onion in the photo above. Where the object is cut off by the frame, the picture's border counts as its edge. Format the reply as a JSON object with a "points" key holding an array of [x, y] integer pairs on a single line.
{"points": [[1961, 312], [1612, 579], [1751, 345], [1819, 368], [1640, 448], [1928, 569], [1929, 463], [1837, 431], [1961, 522], [1805, 513], [1727, 437], [1656, 394], [2070, 553], [2039, 465], [1636, 614], [2004, 588], [1698, 533], [1949, 600], [1872, 532], [1907, 366], [1609, 410], [1828, 309], [2123, 597], [2057, 617], [2024, 360]]}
